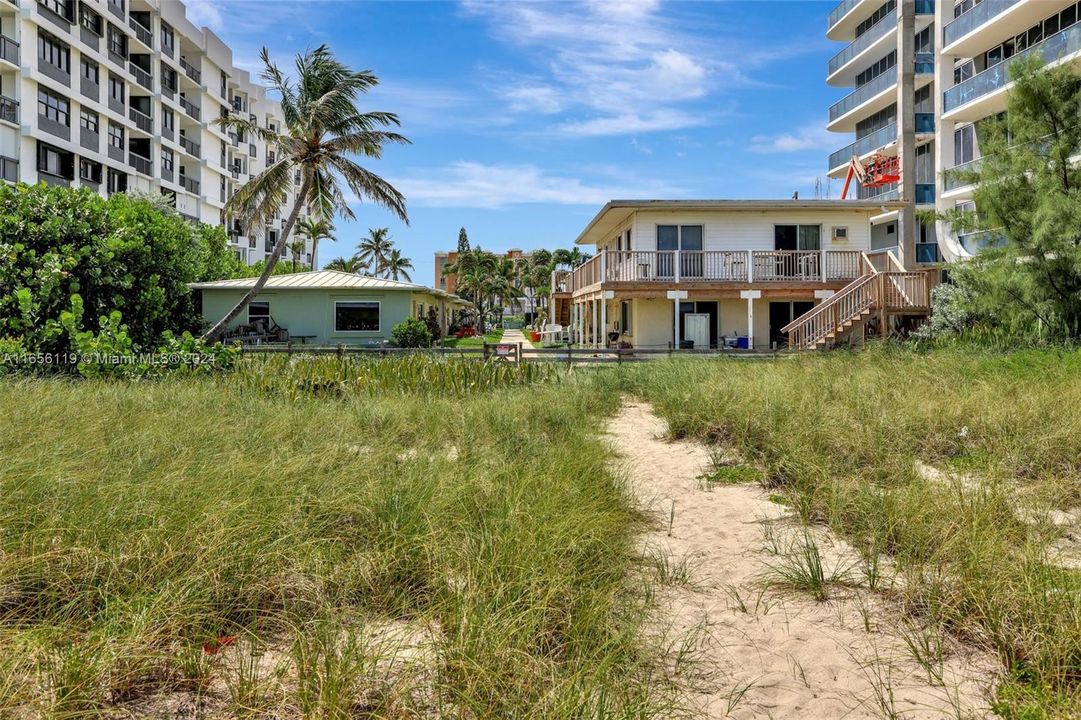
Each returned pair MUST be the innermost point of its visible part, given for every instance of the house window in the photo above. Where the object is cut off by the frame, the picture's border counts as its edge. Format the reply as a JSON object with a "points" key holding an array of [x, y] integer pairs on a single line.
{"points": [[118, 42], [54, 52], [797, 237], [89, 70], [356, 316], [625, 317], [259, 310], [88, 120], [116, 89], [89, 171], [116, 135], [90, 19], [54, 108]]}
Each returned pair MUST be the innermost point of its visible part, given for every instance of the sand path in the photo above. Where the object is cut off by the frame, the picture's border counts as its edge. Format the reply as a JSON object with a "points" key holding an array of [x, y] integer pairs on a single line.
{"points": [[766, 652]]}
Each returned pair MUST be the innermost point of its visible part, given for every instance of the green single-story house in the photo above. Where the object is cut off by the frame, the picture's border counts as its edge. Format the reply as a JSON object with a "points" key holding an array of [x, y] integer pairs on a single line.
{"points": [[324, 307]]}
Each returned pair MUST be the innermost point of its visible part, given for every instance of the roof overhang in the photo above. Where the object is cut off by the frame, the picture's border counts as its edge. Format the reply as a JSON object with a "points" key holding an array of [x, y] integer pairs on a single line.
{"points": [[616, 212]]}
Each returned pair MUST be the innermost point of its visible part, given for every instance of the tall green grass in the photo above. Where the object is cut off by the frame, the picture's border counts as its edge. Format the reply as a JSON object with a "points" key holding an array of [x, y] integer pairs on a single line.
{"points": [[224, 539], [841, 434]]}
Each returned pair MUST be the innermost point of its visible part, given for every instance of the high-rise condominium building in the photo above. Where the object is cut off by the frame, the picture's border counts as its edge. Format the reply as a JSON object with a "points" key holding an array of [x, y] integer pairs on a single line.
{"points": [[120, 95], [925, 75]]}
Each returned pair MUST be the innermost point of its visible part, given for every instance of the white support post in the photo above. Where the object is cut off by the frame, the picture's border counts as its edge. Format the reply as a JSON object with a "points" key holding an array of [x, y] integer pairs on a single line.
{"points": [[604, 320], [675, 261], [604, 264], [750, 266], [675, 296], [822, 263], [593, 307], [750, 296]]}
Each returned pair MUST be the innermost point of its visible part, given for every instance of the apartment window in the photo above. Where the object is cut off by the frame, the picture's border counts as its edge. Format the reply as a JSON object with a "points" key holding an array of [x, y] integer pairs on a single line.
{"points": [[116, 89], [876, 16], [877, 69], [89, 171], [54, 108], [118, 4], [964, 144], [118, 41], [55, 161], [116, 135], [89, 70], [166, 36], [88, 120], [54, 52], [117, 181], [90, 20], [63, 8], [224, 82], [356, 316], [167, 159], [168, 119], [259, 310]]}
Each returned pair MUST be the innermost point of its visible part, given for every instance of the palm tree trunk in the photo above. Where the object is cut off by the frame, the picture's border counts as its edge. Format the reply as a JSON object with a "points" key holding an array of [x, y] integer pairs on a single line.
{"points": [[315, 261], [219, 328]]}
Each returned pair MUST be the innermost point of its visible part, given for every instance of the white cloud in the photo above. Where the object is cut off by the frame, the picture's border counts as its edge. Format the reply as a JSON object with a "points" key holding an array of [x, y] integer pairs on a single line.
{"points": [[632, 123], [204, 12], [810, 137], [472, 184], [601, 59]]}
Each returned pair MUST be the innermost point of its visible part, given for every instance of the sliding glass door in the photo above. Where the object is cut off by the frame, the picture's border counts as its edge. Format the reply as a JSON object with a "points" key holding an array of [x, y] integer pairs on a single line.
{"points": [[688, 240]]}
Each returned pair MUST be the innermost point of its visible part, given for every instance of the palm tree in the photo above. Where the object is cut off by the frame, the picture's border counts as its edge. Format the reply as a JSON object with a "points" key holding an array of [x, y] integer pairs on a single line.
{"points": [[396, 265], [316, 229], [322, 127], [349, 265], [296, 246], [375, 249]]}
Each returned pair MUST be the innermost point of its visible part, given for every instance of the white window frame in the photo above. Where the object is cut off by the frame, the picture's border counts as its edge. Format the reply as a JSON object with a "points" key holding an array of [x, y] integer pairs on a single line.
{"points": [[379, 309], [258, 302]]}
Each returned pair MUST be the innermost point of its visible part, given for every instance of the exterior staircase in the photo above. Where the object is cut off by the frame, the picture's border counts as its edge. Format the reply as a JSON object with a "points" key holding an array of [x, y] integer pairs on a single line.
{"points": [[883, 289]]}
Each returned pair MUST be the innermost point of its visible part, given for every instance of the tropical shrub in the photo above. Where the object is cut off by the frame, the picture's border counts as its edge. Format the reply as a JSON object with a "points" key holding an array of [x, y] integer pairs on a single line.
{"points": [[432, 321], [126, 253], [411, 333]]}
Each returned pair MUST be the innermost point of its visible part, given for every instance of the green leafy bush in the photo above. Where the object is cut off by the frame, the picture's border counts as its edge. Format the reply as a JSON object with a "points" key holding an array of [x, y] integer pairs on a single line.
{"points": [[127, 253], [412, 333]]}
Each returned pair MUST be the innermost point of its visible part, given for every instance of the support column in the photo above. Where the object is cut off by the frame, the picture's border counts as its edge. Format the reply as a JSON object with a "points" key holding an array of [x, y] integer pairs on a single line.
{"points": [[596, 319], [750, 296], [675, 296], [606, 295], [906, 125]]}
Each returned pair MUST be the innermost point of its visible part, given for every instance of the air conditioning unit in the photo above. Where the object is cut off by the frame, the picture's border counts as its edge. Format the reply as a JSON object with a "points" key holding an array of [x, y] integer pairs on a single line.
{"points": [[840, 234]]}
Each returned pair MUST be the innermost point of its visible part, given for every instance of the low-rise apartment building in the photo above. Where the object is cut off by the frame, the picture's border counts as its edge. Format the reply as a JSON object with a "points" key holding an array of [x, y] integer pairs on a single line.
{"points": [[122, 95], [750, 274]]}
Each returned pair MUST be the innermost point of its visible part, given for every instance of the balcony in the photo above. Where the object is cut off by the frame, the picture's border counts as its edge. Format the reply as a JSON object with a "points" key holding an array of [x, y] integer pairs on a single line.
{"points": [[981, 85], [9, 50], [141, 164], [879, 31], [9, 110], [953, 182], [142, 121], [842, 9], [190, 185], [718, 266], [189, 108], [189, 146], [884, 82], [141, 76], [142, 33], [974, 242], [876, 95], [191, 71], [974, 18], [864, 146]]}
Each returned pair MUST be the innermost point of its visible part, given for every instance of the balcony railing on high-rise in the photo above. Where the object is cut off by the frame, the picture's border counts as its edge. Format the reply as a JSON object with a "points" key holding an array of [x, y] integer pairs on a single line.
{"points": [[189, 146], [976, 16], [189, 108], [141, 164], [952, 181], [1057, 46], [142, 121], [866, 144], [9, 109], [862, 94], [879, 30], [190, 70], [842, 9], [9, 50]]}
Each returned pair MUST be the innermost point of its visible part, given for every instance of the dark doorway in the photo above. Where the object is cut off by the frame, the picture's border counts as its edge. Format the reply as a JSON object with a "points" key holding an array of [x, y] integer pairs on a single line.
{"points": [[785, 237], [782, 313], [706, 307]]}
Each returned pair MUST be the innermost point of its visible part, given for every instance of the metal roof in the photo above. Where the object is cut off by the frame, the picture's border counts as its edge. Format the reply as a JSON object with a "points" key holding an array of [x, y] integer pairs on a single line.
{"points": [[616, 211], [323, 280]]}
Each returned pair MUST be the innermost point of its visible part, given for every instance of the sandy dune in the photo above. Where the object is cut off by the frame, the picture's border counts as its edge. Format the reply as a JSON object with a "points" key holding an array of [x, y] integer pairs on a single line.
{"points": [[768, 652]]}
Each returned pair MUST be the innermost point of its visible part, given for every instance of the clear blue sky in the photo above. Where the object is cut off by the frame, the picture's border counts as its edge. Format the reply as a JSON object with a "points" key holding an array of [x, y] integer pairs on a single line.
{"points": [[526, 117]]}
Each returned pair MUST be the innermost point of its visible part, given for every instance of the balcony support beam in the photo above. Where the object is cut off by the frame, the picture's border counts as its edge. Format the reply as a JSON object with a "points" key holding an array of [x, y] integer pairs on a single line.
{"points": [[750, 296], [675, 296]]}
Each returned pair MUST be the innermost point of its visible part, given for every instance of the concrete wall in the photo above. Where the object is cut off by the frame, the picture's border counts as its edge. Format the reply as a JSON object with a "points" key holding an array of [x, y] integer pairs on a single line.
{"points": [[311, 312]]}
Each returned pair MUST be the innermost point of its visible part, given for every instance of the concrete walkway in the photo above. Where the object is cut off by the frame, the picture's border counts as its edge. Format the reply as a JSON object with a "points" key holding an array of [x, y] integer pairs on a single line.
{"points": [[516, 336]]}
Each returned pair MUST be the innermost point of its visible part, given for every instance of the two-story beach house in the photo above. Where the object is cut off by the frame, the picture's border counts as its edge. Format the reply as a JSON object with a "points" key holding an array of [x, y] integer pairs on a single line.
{"points": [[754, 274]]}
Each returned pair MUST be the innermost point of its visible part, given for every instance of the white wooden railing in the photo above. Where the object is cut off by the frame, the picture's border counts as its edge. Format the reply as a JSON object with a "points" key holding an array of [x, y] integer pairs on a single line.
{"points": [[737, 266]]}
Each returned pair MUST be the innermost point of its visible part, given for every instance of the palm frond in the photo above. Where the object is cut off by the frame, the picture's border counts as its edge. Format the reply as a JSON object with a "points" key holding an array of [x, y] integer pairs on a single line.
{"points": [[365, 183]]}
